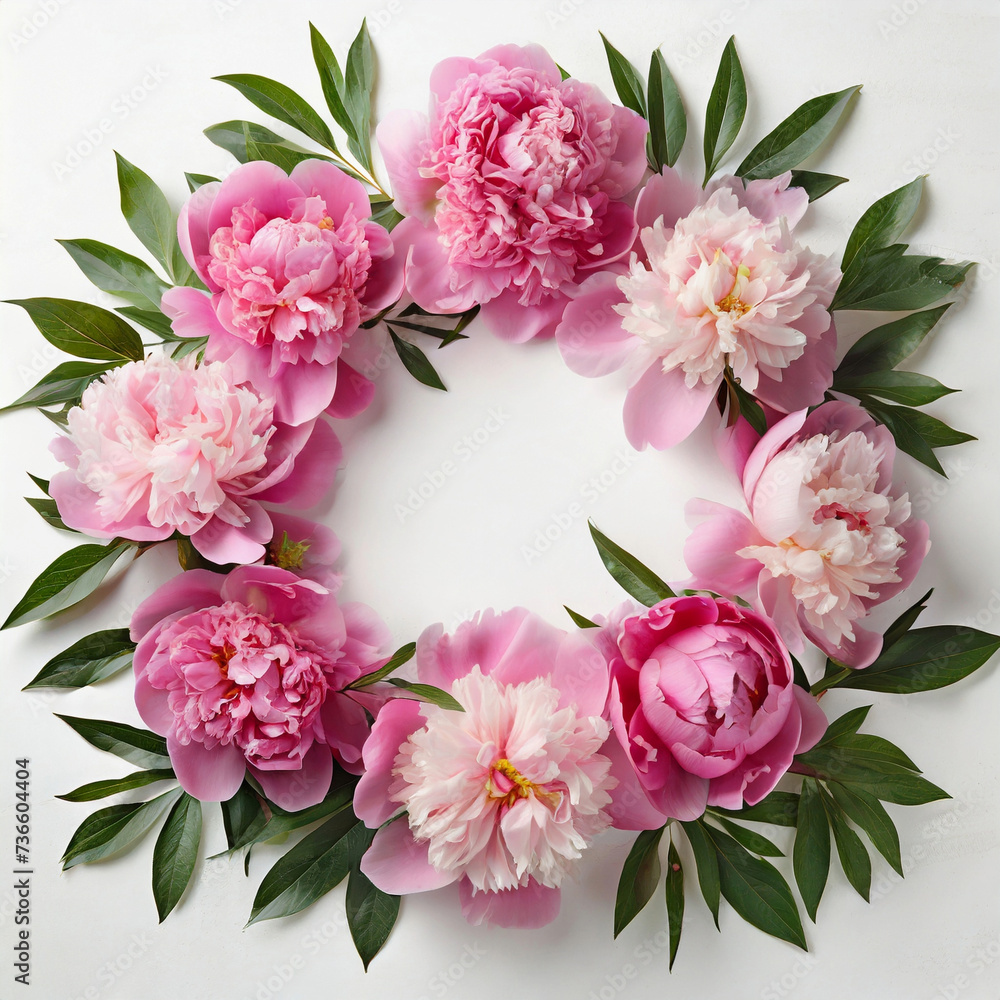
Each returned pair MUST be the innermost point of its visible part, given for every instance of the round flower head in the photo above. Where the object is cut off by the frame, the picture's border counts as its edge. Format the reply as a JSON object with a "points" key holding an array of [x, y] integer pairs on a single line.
{"points": [[504, 795], [294, 265], [159, 446], [513, 187]]}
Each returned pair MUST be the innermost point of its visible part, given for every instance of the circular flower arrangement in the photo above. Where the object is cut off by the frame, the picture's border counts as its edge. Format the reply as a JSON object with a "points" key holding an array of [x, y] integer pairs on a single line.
{"points": [[491, 758]]}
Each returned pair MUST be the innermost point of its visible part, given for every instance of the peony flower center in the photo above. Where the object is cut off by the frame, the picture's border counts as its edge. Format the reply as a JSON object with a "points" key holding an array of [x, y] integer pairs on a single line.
{"points": [[508, 784], [286, 553]]}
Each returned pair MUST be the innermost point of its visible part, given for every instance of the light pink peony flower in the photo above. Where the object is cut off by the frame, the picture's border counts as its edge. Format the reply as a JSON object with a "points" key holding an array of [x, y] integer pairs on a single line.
{"points": [[828, 537], [246, 672], [704, 710], [504, 796], [159, 446], [513, 187], [294, 265], [717, 280]]}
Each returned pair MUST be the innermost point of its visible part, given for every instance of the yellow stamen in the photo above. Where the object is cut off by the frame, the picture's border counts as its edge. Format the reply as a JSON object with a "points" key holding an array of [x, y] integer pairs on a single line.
{"points": [[325, 223]]}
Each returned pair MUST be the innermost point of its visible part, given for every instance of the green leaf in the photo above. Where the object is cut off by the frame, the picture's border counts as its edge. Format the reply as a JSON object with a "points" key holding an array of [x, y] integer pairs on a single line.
{"points": [[49, 512], [371, 914], [359, 76], [811, 852], [113, 786], [579, 620], [111, 830], [83, 330], [137, 746], [904, 622], [243, 816], [42, 484], [67, 580], [283, 103], [667, 121], [727, 107], [778, 809], [815, 184], [117, 272], [639, 878], [175, 854], [708, 865], [195, 181], [675, 900], [150, 217], [428, 693], [866, 810], [155, 322], [401, 656], [848, 724], [309, 870], [851, 851], [416, 363], [916, 433], [642, 583], [747, 406], [332, 81], [883, 223], [757, 891], [886, 346], [909, 388], [797, 137], [385, 214], [752, 841], [93, 658], [628, 83]]}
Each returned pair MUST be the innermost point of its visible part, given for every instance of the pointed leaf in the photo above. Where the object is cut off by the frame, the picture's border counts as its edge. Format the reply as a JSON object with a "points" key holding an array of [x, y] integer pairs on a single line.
{"points": [[175, 854], [428, 693], [93, 658], [416, 363], [642, 583], [639, 878], [811, 853], [628, 83], [195, 181], [137, 746], [243, 816], [752, 841], [851, 851], [371, 914], [727, 107], [401, 656], [779, 809], [886, 346], [49, 512], [866, 810], [332, 81], [708, 865], [117, 272], [904, 622], [816, 184], [359, 76], [64, 384], [675, 900], [916, 433], [155, 322], [908, 388], [884, 222], [848, 724], [114, 786], [83, 330], [579, 620]]}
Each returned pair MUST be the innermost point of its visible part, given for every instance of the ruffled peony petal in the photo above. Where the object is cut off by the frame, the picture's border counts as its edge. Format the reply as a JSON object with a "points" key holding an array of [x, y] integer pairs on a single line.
{"points": [[530, 906], [710, 550], [341, 193], [197, 588], [398, 864], [427, 272], [266, 186], [313, 472], [660, 410], [392, 727], [209, 775], [630, 807], [78, 509], [294, 790], [401, 136], [515, 57], [814, 720], [191, 312]]}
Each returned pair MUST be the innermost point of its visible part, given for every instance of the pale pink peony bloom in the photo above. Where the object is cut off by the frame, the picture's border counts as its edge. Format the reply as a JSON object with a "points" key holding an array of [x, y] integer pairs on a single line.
{"points": [[504, 796], [704, 709], [159, 446], [828, 537], [246, 672], [716, 280], [513, 187], [294, 265]]}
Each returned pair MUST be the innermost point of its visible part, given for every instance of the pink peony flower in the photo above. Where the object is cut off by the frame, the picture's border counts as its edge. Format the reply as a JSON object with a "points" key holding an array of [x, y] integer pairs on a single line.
{"points": [[159, 446], [504, 796], [294, 265], [717, 281], [513, 187], [828, 537], [246, 672], [704, 710]]}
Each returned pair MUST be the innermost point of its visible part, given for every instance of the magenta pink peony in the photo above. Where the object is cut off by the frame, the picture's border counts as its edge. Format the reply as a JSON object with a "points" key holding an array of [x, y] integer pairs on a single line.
{"points": [[294, 265], [246, 673], [513, 187], [504, 796], [716, 282], [828, 537], [159, 446], [704, 710]]}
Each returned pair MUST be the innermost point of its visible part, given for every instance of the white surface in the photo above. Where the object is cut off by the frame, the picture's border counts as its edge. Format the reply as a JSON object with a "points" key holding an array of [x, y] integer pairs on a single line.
{"points": [[928, 105]]}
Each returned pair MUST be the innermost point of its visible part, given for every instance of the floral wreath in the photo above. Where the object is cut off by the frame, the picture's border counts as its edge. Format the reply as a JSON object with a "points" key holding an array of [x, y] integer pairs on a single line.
{"points": [[491, 757]]}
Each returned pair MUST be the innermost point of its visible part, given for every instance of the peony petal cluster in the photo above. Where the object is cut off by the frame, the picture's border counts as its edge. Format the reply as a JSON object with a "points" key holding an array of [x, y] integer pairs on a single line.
{"points": [[513, 187], [704, 709], [162, 446], [828, 536], [246, 673], [716, 286], [504, 796], [294, 265]]}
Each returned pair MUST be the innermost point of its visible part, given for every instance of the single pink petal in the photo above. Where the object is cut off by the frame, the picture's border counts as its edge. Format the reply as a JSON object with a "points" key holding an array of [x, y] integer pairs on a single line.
{"points": [[666, 196], [629, 164], [78, 509], [353, 394], [341, 193], [427, 270], [710, 550], [509, 320], [771, 199], [590, 335], [392, 727], [209, 775], [529, 906], [769, 445], [814, 720], [401, 136], [449, 71], [191, 312], [805, 381], [618, 232], [916, 545], [529, 56], [630, 807], [315, 468], [384, 284], [660, 410], [224, 543], [152, 703], [293, 790], [189, 591], [193, 233], [266, 186], [398, 864]]}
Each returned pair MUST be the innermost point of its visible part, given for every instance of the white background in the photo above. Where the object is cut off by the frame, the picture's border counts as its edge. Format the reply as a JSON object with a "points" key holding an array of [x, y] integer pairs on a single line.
{"points": [[928, 106]]}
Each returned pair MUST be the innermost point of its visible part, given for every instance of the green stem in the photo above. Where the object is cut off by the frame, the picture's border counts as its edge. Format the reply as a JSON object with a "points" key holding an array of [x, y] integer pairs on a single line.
{"points": [[831, 681]]}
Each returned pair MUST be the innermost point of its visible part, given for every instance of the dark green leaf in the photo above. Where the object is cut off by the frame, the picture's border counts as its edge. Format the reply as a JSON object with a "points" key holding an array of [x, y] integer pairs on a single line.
{"points": [[117, 272], [884, 222], [428, 693], [332, 80], [904, 622], [639, 878], [309, 870], [579, 620], [155, 322], [359, 77], [917, 433], [886, 346], [64, 384], [416, 363], [904, 789], [42, 484], [137, 746], [748, 407], [195, 181], [113, 786], [115, 828], [811, 853], [675, 900], [642, 583], [371, 914], [708, 865], [848, 724], [752, 841], [385, 214], [816, 184], [797, 137], [870, 815], [83, 330], [628, 83], [727, 107], [779, 809], [93, 658], [175, 854], [283, 103], [243, 816], [799, 675], [667, 120], [908, 388], [49, 512], [67, 580], [401, 656], [851, 851]]}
